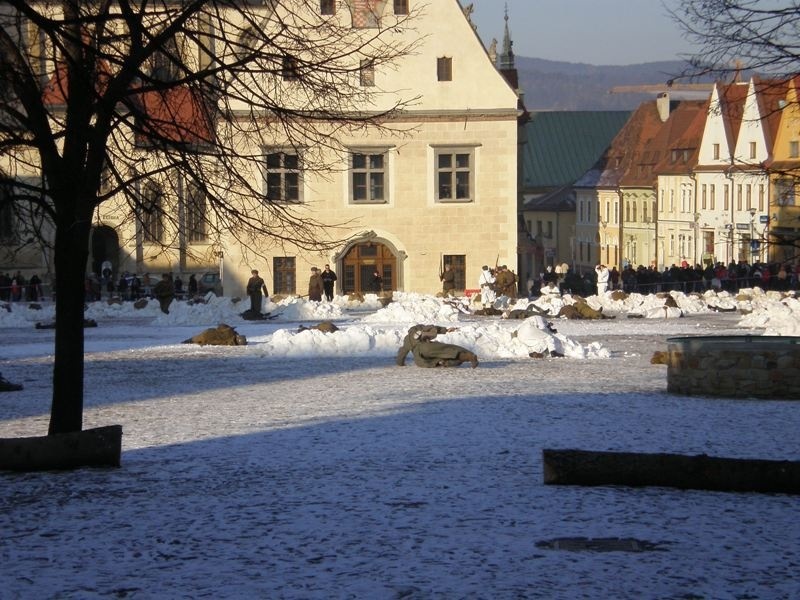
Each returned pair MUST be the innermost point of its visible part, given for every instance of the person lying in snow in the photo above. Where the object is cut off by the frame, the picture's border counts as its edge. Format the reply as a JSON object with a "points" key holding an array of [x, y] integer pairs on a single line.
{"points": [[428, 353], [539, 337]]}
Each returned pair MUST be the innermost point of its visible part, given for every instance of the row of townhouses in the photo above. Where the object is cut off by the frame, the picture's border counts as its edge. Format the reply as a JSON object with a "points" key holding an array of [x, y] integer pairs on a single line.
{"points": [[689, 181]]}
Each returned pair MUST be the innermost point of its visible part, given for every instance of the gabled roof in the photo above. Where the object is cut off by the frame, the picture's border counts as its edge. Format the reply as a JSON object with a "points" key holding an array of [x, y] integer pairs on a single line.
{"points": [[562, 145], [732, 98], [681, 136], [631, 144], [771, 95]]}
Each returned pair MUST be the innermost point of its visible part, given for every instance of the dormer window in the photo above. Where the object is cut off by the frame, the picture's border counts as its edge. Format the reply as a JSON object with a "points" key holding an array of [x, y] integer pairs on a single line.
{"points": [[752, 150]]}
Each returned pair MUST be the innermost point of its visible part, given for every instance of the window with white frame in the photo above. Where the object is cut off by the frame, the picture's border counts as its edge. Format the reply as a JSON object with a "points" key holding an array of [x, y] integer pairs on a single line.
{"points": [[282, 176], [715, 151], [454, 174], [369, 177]]}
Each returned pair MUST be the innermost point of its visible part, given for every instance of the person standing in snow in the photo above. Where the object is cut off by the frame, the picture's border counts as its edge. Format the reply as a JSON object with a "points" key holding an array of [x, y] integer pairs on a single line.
{"points": [[428, 353], [448, 278], [602, 279], [255, 286], [486, 284], [164, 292], [315, 285], [328, 281]]}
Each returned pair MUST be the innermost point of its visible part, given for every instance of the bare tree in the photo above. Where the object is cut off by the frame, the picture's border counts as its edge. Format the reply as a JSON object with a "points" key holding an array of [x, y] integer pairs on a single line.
{"points": [[118, 101]]}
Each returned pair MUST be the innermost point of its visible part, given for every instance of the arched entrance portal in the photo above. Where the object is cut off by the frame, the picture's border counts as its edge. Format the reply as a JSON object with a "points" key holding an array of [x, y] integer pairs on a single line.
{"points": [[361, 261], [105, 246]]}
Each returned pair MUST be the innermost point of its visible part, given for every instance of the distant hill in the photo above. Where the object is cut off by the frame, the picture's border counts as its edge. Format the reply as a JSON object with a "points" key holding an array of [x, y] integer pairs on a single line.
{"points": [[555, 85]]}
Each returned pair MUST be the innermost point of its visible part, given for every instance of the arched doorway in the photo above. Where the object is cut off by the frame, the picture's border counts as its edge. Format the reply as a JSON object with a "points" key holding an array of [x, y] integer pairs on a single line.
{"points": [[105, 247], [361, 261]]}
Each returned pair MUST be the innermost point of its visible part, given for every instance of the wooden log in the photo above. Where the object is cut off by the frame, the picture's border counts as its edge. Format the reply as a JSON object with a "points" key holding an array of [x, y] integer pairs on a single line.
{"points": [[700, 472], [99, 447]]}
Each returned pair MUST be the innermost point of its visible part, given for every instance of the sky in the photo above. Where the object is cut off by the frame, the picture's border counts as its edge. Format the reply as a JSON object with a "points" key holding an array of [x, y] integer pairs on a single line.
{"points": [[599, 32], [308, 465]]}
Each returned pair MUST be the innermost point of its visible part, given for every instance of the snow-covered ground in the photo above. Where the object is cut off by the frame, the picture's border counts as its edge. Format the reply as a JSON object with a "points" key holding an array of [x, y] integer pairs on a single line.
{"points": [[308, 465]]}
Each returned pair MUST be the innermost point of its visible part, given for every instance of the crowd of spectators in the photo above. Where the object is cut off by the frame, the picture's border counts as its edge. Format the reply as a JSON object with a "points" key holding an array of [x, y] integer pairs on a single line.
{"points": [[684, 278]]}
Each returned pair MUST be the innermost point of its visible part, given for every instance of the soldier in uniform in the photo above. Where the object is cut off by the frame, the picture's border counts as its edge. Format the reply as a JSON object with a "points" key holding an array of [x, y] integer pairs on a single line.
{"points": [[429, 353], [255, 286], [486, 281], [448, 278], [164, 292]]}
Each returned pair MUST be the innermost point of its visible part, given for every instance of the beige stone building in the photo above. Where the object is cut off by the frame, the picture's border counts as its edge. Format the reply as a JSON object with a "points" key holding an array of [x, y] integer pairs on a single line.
{"points": [[437, 185]]}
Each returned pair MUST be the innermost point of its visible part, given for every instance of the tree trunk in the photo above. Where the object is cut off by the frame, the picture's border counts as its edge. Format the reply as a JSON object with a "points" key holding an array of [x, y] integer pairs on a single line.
{"points": [[701, 472], [100, 447], [71, 254]]}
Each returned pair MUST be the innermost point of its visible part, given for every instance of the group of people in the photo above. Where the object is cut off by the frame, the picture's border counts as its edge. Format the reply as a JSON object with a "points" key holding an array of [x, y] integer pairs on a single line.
{"points": [[499, 281], [17, 289], [685, 278]]}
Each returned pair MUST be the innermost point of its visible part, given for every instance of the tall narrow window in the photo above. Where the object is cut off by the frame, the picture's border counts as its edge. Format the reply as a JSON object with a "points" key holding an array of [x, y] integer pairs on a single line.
{"points": [[366, 73], [282, 180], [401, 7], [761, 197], [444, 68], [284, 275], [794, 149], [289, 68], [703, 196], [749, 196], [369, 177], [726, 197], [453, 176], [739, 196], [327, 7], [153, 214], [715, 151], [712, 196], [752, 149], [196, 214]]}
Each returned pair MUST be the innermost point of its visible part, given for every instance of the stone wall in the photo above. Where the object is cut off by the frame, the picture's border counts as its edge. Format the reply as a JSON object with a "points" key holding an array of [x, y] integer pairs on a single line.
{"points": [[735, 367]]}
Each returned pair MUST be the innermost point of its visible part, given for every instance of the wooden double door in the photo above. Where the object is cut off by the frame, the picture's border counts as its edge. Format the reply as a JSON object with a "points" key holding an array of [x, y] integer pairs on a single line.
{"points": [[361, 263]]}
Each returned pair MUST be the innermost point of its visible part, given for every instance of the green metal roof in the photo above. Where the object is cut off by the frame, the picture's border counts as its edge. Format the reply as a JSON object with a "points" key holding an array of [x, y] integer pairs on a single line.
{"points": [[562, 145]]}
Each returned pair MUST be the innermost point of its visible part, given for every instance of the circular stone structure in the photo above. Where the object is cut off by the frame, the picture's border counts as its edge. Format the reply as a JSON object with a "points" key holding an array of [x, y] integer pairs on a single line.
{"points": [[735, 366]]}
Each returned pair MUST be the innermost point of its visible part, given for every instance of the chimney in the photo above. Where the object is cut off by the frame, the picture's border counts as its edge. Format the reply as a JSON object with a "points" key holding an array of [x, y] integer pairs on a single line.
{"points": [[662, 105]]}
